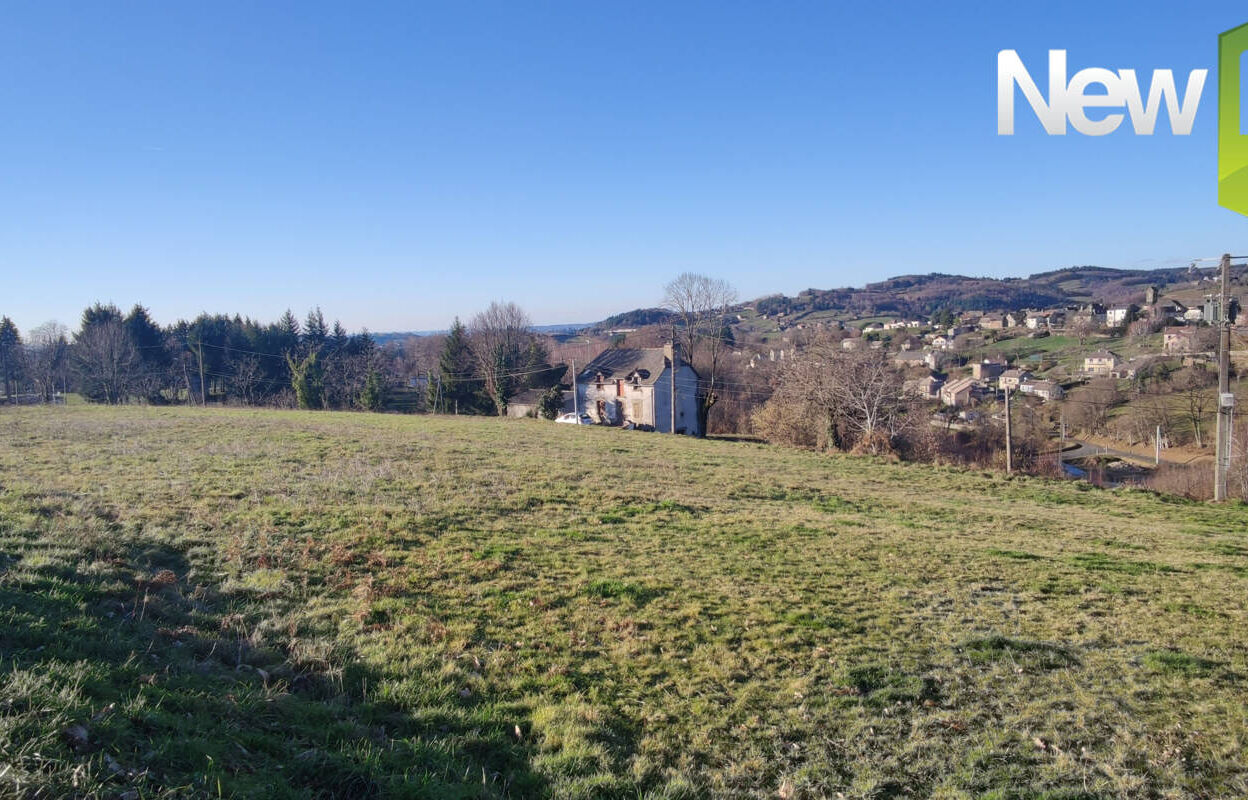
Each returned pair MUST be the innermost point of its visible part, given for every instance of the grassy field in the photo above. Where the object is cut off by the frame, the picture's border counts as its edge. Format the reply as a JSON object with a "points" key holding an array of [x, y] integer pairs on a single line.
{"points": [[292, 604]]}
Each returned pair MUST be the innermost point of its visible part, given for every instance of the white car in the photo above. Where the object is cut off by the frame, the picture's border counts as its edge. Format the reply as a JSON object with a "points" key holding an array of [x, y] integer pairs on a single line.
{"points": [[570, 418]]}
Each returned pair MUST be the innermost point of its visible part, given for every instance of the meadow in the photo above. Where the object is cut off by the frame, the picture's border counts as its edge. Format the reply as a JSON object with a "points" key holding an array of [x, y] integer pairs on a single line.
{"points": [[265, 604]]}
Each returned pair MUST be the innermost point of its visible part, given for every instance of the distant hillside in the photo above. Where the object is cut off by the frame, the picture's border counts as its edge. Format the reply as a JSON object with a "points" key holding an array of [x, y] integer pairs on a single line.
{"points": [[636, 318], [922, 295], [398, 336]]}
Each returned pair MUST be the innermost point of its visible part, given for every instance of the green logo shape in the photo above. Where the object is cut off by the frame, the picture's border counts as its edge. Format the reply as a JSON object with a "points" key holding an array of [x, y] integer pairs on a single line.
{"points": [[1232, 143]]}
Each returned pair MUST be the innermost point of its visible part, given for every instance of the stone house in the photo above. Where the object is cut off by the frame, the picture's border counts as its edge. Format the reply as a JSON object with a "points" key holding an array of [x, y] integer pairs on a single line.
{"points": [[1178, 340], [1102, 362], [1012, 378], [1045, 390], [958, 392], [634, 385]]}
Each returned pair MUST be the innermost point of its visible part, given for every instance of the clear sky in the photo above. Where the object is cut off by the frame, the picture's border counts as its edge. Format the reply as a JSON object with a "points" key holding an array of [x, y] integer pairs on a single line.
{"points": [[401, 163]]}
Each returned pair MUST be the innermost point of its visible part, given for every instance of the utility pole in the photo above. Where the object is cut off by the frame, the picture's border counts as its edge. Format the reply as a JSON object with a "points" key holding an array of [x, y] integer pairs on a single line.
{"points": [[1226, 401], [1009, 436], [203, 393], [576, 401], [673, 381]]}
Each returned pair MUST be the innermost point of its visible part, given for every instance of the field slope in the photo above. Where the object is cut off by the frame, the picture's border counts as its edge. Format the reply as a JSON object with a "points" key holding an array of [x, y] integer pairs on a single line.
{"points": [[271, 604]]}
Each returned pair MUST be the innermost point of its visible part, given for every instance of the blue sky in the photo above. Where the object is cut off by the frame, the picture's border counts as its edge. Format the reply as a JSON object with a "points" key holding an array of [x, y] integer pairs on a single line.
{"points": [[401, 163]]}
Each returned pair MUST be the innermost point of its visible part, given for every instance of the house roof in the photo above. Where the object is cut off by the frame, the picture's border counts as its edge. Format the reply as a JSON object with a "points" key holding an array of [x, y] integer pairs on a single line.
{"points": [[528, 397], [1015, 373], [622, 362], [1103, 354], [954, 387]]}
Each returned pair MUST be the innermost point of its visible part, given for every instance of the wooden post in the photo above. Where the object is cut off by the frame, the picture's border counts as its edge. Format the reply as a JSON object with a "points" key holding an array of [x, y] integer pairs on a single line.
{"points": [[1157, 448], [576, 401]]}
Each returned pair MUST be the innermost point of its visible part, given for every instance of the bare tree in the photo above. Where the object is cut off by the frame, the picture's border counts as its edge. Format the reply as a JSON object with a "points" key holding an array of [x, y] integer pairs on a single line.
{"points": [[701, 305], [502, 343], [246, 378], [1082, 327], [106, 361], [48, 346], [1195, 388], [828, 398], [867, 390], [1087, 409]]}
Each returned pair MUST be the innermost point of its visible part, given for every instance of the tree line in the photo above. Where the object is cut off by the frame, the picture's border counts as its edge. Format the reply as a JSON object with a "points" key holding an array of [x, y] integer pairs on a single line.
{"points": [[115, 357]]}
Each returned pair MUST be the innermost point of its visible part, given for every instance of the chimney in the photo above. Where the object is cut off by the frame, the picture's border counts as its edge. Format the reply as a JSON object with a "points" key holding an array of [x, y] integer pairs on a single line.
{"points": [[670, 351]]}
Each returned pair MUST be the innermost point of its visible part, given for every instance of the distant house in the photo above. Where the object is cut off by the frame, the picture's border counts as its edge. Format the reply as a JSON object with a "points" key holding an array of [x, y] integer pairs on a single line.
{"points": [[927, 387], [941, 341], [1035, 322], [1045, 390], [992, 322], [1194, 315], [987, 369], [911, 343], [525, 403], [911, 358], [1178, 340], [1015, 320], [1169, 311], [1012, 378], [1102, 362], [939, 359], [959, 392], [1118, 316], [851, 344], [634, 385], [1092, 314]]}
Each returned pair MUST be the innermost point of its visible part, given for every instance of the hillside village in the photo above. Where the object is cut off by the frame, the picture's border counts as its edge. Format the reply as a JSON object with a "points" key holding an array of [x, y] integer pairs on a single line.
{"points": [[1132, 365]]}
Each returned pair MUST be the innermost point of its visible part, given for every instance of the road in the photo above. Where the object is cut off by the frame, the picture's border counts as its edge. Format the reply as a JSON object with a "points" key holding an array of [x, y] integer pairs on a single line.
{"points": [[1088, 450]]}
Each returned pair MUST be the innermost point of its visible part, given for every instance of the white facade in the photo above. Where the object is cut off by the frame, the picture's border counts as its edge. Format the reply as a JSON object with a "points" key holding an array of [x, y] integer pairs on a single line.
{"points": [[618, 388]]}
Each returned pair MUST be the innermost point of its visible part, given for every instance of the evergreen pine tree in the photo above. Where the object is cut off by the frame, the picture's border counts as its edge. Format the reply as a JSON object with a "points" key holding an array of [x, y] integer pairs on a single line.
{"points": [[315, 332], [373, 396], [10, 358], [455, 372], [339, 337], [289, 326]]}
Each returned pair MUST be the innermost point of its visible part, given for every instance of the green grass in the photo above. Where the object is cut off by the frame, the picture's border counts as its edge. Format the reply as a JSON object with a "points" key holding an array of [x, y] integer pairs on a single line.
{"points": [[230, 603]]}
